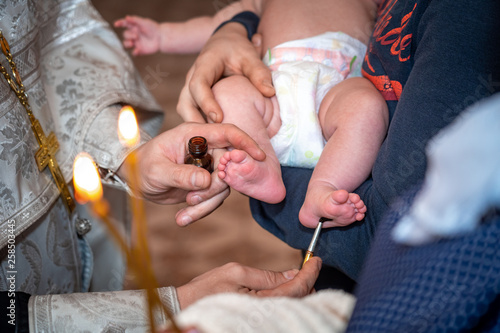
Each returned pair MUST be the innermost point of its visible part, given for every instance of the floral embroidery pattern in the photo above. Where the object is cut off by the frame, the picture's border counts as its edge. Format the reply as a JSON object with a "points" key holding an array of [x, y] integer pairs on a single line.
{"points": [[15, 148], [7, 201]]}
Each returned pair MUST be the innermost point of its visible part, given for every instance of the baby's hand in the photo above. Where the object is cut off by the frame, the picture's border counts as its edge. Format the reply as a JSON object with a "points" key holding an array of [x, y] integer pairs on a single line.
{"points": [[141, 34]]}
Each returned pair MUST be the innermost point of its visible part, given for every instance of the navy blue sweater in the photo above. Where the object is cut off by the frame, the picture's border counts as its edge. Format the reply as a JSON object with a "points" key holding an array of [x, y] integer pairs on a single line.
{"points": [[430, 59]]}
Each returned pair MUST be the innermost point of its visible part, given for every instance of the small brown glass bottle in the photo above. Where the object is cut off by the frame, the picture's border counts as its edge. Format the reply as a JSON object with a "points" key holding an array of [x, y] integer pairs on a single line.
{"points": [[197, 154]]}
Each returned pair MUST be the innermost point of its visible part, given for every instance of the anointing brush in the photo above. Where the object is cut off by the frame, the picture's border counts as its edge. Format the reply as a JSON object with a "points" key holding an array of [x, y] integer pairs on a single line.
{"points": [[314, 240]]}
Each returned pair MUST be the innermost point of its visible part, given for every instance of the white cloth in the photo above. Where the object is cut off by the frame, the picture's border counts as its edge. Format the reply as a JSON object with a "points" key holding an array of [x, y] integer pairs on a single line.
{"points": [[463, 178], [326, 311], [119, 311], [303, 71]]}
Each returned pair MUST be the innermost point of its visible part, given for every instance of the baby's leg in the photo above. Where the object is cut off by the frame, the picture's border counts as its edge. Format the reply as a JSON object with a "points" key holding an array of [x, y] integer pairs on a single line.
{"points": [[245, 107], [354, 119]]}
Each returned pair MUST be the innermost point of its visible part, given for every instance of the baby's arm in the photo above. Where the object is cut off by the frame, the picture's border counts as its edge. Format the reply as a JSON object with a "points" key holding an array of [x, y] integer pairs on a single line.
{"points": [[146, 36]]}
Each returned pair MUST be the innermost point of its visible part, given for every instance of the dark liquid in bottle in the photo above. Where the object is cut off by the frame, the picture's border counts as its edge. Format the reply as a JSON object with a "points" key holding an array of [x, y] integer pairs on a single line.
{"points": [[197, 154]]}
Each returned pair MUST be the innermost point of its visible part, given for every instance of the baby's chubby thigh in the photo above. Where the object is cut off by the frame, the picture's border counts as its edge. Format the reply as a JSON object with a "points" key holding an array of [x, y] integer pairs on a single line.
{"points": [[244, 105]]}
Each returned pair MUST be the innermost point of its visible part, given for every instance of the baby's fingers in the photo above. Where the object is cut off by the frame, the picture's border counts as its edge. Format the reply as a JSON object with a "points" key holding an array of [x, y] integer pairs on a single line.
{"points": [[119, 23], [128, 43], [126, 22], [130, 34]]}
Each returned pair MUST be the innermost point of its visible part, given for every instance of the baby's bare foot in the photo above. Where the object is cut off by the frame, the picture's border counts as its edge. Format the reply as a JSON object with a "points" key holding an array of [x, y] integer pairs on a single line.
{"points": [[324, 200], [259, 180]]}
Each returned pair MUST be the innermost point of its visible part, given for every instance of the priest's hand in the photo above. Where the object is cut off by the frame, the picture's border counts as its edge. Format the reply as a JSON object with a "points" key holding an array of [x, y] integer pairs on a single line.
{"points": [[165, 179], [237, 278]]}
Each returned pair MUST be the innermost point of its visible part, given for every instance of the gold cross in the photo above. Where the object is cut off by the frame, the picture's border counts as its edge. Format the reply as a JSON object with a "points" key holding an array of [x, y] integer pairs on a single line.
{"points": [[45, 156], [48, 146]]}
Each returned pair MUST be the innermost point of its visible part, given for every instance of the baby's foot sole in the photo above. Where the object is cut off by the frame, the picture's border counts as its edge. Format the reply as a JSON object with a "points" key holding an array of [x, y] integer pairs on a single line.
{"points": [[259, 180]]}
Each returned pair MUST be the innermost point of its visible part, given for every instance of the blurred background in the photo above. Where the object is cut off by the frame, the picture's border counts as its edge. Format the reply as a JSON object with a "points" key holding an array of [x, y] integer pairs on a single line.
{"points": [[228, 234]]}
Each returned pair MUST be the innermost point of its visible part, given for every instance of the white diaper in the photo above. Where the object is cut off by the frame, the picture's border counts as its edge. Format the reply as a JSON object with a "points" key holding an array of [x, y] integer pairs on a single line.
{"points": [[303, 72]]}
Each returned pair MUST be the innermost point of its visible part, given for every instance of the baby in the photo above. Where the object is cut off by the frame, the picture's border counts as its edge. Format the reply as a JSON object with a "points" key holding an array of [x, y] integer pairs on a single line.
{"points": [[324, 114]]}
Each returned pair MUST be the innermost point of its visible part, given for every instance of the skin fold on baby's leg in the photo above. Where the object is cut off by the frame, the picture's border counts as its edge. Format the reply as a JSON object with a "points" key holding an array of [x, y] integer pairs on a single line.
{"points": [[354, 119], [244, 106]]}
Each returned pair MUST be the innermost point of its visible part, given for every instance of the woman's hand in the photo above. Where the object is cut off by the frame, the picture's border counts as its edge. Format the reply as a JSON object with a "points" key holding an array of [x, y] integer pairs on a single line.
{"points": [[226, 53]]}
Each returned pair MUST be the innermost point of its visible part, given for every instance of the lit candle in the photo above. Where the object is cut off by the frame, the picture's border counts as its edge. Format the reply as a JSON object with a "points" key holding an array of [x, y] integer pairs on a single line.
{"points": [[88, 189], [86, 179], [129, 135], [128, 130]]}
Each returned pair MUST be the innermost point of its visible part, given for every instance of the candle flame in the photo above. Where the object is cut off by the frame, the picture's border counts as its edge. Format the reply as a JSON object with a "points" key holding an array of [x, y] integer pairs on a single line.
{"points": [[128, 130], [86, 179]]}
